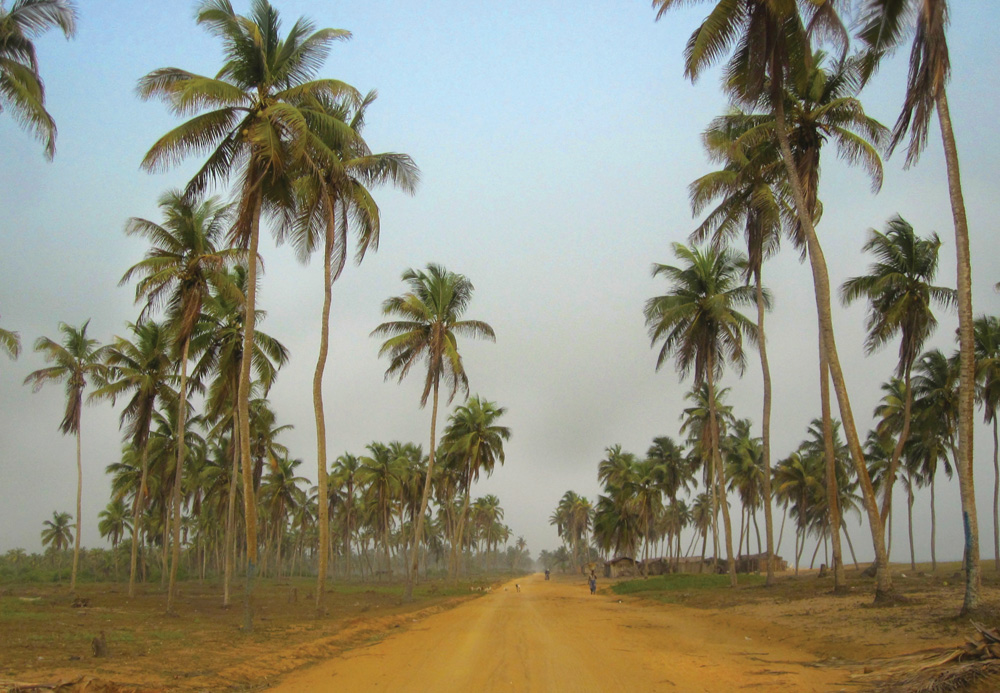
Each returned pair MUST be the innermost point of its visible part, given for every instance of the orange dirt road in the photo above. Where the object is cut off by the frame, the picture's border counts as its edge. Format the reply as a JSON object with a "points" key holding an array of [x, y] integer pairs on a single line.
{"points": [[555, 636]]}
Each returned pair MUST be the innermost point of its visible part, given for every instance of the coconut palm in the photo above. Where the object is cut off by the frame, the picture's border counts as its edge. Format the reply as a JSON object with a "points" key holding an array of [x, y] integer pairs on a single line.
{"points": [[251, 120], [280, 495], [987, 334], [21, 88], [57, 533], [753, 197], [333, 195], [700, 326], [75, 360], [900, 296], [176, 273], [429, 325], [140, 369], [113, 522], [885, 24], [475, 437], [218, 346], [772, 57], [344, 477]]}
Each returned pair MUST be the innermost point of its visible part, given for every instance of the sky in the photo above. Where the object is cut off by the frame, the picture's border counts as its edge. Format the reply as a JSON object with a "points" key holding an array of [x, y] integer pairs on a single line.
{"points": [[556, 142]]}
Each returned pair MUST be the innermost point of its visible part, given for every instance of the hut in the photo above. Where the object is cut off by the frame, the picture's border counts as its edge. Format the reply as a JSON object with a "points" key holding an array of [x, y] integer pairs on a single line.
{"points": [[623, 566]]}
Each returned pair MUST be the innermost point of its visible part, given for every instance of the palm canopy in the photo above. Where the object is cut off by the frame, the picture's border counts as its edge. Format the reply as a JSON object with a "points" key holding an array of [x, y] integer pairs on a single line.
{"points": [[10, 342], [765, 39], [255, 114], [74, 360], [473, 434], [899, 290], [987, 333], [430, 323], [142, 368], [332, 194], [750, 190], [884, 25], [823, 107], [184, 259], [21, 89], [697, 321]]}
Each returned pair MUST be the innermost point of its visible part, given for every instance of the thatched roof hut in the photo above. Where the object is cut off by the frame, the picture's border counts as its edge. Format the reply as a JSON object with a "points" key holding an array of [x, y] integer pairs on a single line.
{"points": [[623, 566]]}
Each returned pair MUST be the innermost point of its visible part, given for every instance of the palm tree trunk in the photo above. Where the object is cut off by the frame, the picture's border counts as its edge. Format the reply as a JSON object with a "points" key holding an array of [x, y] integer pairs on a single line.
{"points": [[996, 499], [720, 479], [79, 510], [460, 534], [909, 519], [765, 430], [821, 282], [832, 488], [178, 476], [230, 538], [967, 361], [324, 342], [137, 509], [252, 197], [933, 521], [781, 533], [847, 535]]}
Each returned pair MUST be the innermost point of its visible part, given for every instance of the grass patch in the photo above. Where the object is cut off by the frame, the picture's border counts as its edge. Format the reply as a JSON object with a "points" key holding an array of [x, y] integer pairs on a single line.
{"points": [[668, 586]]}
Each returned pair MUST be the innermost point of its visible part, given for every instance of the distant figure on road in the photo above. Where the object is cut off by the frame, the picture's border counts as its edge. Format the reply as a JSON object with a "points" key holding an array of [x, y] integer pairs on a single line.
{"points": [[593, 583], [546, 573]]}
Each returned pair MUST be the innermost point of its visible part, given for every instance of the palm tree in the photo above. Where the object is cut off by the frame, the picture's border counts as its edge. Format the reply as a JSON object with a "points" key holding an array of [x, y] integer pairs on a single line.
{"points": [[430, 322], [344, 477], [177, 271], [700, 326], [218, 343], [257, 131], [884, 26], [281, 495], [57, 533], [473, 435], [21, 88], [379, 474], [773, 57], [753, 197], [77, 358], [673, 472], [987, 334], [900, 293], [143, 369], [936, 407], [333, 193], [113, 522]]}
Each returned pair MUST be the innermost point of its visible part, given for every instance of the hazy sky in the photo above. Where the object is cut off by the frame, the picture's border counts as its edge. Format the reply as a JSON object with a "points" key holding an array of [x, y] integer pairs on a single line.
{"points": [[556, 143]]}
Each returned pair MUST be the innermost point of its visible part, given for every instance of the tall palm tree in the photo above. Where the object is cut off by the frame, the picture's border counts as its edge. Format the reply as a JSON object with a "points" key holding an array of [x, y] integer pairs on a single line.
{"points": [[333, 194], [74, 360], [252, 121], [379, 475], [884, 25], [700, 325], [218, 344], [772, 55], [428, 329], [176, 272], [474, 435], [753, 196], [21, 88], [143, 371], [900, 295], [987, 334]]}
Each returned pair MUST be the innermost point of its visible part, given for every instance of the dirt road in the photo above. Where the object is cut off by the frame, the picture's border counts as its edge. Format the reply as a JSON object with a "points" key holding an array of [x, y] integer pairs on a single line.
{"points": [[554, 636]]}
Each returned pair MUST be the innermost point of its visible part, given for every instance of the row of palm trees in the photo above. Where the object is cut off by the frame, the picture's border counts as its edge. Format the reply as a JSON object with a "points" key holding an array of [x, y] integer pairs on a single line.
{"points": [[639, 509], [773, 66], [293, 146]]}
